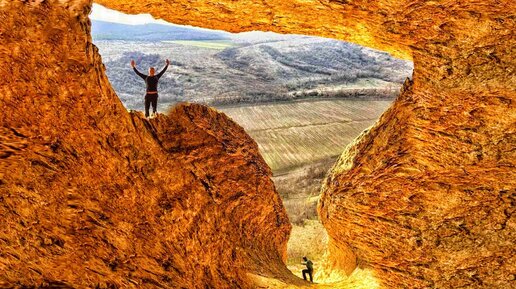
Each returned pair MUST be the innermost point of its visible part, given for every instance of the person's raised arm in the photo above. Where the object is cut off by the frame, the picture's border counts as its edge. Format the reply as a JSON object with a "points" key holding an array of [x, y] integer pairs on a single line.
{"points": [[133, 64], [164, 69]]}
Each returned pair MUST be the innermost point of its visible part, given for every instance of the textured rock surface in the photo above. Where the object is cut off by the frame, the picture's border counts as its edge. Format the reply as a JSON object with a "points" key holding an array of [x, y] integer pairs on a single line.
{"points": [[425, 199], [427, 196], [91, 195]]}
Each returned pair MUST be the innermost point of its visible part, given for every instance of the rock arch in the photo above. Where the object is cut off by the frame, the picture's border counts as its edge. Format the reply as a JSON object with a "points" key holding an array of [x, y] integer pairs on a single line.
{"points": [[425, 198]]}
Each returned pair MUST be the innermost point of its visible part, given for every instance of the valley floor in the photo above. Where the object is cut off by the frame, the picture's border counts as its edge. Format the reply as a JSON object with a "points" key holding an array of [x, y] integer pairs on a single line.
{"points": [[300, 140], [294, 133]]}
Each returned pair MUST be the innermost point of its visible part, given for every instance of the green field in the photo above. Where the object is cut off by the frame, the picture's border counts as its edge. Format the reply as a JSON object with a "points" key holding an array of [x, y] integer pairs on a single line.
{"points": [[294, 134], [210, 44]]}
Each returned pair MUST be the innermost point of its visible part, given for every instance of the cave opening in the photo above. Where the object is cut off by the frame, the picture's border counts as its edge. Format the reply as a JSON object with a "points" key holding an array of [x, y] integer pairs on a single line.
{"points": [[301, 98], [96, 197]]}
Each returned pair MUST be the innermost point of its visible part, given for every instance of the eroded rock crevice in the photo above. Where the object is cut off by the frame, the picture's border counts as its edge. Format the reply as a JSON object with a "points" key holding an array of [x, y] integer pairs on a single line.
{"points": [[94, 196]]}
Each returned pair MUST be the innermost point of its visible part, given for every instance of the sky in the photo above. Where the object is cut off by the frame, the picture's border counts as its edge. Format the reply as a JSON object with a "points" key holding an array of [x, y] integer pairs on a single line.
{"points": [[102, 13]]}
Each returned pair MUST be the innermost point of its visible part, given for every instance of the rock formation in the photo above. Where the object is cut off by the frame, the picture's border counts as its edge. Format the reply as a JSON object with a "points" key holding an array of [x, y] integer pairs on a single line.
{"points": [[427, 196], [424, 199], [91, 195]]}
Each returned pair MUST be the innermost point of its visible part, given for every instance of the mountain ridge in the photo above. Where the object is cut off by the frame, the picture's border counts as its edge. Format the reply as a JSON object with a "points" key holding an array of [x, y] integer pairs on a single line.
{"points": [[105, 30]]}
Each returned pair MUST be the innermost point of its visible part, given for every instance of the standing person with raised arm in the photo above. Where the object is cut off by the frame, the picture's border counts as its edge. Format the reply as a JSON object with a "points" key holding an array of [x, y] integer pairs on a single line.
{"points": [[151, 80]]}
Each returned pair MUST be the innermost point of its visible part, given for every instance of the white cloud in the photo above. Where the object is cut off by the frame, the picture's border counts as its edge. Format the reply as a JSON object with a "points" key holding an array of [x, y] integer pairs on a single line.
{"points": [[102, 13]]}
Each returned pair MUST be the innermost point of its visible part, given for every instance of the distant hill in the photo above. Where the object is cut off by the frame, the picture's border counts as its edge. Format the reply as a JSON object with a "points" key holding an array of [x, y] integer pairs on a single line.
{"points": [[302, 61], [217, 67], [298, 67], [102, 30]]}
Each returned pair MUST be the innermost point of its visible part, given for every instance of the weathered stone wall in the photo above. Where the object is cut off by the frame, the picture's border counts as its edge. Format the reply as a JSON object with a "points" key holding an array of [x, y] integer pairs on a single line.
{"points": [[426, 197], [91, 195]]}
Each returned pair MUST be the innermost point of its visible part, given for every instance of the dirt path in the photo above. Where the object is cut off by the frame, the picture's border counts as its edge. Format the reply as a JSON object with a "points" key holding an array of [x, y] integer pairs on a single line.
{"points": [[359, 279]]}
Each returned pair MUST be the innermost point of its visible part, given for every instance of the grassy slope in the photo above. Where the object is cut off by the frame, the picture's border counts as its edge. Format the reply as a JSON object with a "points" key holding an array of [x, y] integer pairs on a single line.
{"points": [[293, 134]]}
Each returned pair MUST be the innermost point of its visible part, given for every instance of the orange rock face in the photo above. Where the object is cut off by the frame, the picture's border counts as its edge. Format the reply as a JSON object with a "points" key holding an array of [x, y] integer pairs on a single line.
{"points": [[91, 195], [426, 197]]}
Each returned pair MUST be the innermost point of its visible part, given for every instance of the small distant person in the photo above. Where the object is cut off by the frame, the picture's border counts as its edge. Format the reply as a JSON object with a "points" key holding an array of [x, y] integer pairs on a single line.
{"points": [[151, 97], [309, 269]]}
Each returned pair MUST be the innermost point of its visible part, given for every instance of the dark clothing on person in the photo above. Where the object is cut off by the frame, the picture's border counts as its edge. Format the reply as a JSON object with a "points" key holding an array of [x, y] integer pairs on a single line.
{"points": [[310, 273], [309, 270], [151, 99], [151, 81], [309, 265]]}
